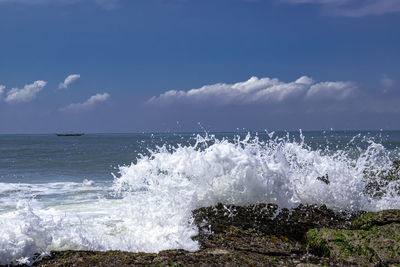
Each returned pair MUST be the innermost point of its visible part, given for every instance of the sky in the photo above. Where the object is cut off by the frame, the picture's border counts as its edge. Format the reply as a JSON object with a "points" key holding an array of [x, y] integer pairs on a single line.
{"points": [[119, 66]]}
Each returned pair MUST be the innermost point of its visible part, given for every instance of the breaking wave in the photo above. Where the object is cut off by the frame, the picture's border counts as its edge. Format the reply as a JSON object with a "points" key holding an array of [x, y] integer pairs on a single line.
{"points": [[148, 206]]}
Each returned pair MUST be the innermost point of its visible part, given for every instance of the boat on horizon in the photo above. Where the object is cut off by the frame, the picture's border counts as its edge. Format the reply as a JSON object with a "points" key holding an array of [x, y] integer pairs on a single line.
{"points": [[70, 134]]}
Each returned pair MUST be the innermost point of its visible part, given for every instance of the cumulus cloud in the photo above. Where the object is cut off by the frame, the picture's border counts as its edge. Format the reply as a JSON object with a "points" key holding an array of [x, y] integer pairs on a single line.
{"points": [[354, 8], [255, 90], [332, 90], [25, 94], [69, 80], [89, 104], [2, 88]]}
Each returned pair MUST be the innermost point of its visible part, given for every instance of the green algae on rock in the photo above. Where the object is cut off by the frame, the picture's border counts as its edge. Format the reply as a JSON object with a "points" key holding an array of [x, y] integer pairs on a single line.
{"points": [[375, 239], [377, 182], [367, 220], [267, 218]]}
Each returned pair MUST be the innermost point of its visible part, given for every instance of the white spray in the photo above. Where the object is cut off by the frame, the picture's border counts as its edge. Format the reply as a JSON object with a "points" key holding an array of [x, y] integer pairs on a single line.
{"points": [[152, 199]]}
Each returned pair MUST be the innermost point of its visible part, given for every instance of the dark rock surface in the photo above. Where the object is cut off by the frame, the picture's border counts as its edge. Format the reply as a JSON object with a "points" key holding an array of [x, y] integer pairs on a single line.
{"points": [[266, 218], [373, 240], [378, 181], [263, 235], [370, 219]]}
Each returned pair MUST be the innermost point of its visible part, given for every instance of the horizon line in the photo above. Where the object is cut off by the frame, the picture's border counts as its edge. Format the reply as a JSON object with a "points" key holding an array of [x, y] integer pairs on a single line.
{"points": [[208, 132]]}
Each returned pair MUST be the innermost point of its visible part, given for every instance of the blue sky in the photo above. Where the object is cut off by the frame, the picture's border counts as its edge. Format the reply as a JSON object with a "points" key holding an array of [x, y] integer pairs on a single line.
{"points": [[131, 65]]}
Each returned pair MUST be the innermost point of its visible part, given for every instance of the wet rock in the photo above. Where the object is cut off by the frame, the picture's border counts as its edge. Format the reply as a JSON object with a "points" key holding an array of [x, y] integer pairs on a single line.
{"points": [[264, 235], [371, 219], [379, 245], [267, 219], [324, 179], [377, 182], [237, 239]]}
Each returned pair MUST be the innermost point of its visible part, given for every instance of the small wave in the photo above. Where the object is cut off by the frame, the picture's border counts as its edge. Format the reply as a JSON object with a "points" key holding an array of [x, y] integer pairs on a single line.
{"points": [[87, 182]]}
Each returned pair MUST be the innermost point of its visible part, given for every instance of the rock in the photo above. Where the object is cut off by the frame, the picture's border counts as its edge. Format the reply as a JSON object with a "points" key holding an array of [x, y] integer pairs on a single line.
{"points": [[307, 265], [267, 219], [237, 239], [219, 251], [324, 179], [263, 235], [377, 182], [377, 245], [370, 219]]}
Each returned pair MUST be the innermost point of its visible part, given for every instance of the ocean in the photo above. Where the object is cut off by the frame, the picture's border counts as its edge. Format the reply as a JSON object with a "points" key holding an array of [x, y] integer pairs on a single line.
{"points": [[135, 192]]}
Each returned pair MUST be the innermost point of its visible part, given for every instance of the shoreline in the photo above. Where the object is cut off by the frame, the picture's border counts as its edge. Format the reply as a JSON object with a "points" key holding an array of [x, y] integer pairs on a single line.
{"points": [[263, 234], [255, 235]]}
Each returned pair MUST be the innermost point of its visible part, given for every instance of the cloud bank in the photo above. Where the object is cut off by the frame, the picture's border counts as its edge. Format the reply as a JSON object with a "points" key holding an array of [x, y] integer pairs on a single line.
{"points": [[69, 80], [89, 104], [25, 94], [354, 8], [259, 91]]}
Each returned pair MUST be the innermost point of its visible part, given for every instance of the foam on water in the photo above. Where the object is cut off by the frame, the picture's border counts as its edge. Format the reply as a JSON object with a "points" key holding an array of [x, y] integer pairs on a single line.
{"points": [[148, 207]]}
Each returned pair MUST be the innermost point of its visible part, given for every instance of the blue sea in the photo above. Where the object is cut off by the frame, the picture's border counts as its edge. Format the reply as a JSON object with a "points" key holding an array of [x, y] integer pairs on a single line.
{"points": [[135, 192]]}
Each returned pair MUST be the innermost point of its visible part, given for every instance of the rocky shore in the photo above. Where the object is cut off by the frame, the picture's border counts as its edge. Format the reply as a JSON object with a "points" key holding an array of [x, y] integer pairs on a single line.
{"points": [[264, 235], [261, 235]]}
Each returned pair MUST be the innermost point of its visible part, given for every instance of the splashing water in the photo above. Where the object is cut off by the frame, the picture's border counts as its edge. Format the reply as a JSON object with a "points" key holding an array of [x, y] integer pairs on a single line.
{"points": [[250, 171], [148, 206]]}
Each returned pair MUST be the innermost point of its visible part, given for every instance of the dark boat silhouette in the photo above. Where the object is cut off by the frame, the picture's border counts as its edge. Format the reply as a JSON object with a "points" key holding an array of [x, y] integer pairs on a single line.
{"points": [[70, 134]]}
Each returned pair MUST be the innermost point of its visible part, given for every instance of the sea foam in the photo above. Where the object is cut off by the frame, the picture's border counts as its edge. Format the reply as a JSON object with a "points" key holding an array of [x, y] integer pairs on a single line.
{"points": [[148, 206]]}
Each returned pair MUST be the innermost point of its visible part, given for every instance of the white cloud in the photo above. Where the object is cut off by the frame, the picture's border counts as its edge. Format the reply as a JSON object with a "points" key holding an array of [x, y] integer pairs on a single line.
{"points": [[2, 89], [387, 83], [69, 80], [26, 94], [333, 90], [255, 90], [90, 103], [354, 8]]}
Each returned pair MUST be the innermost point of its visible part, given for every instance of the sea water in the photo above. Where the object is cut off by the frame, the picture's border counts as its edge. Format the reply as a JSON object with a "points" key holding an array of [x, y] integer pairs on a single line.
{"points": [[135, 192]]}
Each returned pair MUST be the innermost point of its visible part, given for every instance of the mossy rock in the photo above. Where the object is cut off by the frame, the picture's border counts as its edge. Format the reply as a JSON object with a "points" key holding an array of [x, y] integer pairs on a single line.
{"points": [[267, 219], [377, 181], [370, 219], [378, 245], [255, 235]]}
